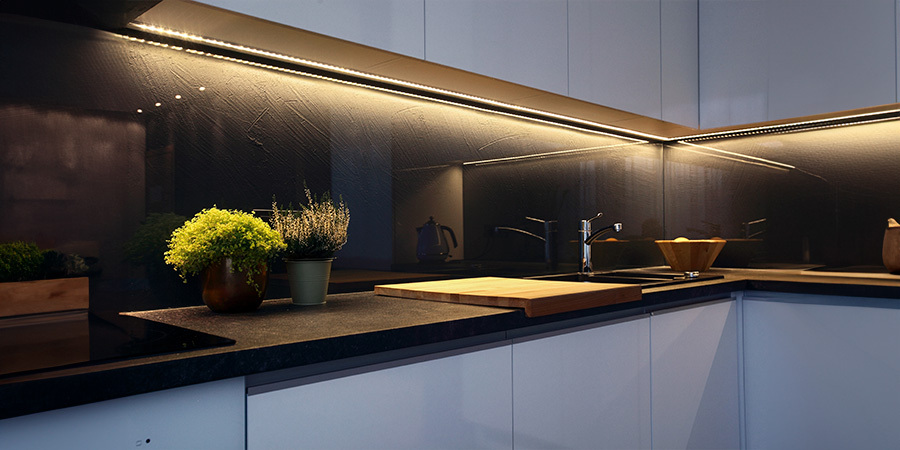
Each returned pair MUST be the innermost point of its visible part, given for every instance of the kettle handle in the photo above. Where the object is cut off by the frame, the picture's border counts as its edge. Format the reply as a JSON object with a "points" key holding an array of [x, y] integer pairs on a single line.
{"points": [[452, 235]]}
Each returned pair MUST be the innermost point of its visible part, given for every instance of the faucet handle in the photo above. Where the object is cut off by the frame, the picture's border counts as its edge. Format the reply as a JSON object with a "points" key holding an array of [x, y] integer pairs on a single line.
{"points": [[540, 220], [599, 215]]}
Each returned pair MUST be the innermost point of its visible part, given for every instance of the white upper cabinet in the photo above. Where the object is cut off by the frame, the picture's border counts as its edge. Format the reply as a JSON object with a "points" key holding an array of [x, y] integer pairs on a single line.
{"points": [[679, 70], [775, 59], [636, 55], [394, 25], [614, 54], [733, 63], [513, 40]]}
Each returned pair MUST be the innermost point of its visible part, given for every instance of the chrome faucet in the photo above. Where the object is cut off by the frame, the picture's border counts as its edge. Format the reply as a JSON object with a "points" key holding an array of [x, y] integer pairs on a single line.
{"points": [[588, 237], [549, 238]]}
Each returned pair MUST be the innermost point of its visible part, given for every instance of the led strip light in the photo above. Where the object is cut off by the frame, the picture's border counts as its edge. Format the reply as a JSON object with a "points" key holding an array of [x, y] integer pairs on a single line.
{"points": [[807, 125], [551, 118], [482, 104]]}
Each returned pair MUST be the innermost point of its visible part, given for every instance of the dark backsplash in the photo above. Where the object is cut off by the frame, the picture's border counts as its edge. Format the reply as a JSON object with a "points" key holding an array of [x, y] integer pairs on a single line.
{"points": [[82, 168]]}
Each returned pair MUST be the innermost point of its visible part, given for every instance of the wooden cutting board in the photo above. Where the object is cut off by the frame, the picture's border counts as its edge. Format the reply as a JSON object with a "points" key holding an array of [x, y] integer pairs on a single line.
{"points": [[537, 297]]}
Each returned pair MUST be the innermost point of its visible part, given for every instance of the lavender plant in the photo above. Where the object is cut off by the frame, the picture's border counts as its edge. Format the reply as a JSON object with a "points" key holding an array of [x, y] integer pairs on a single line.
{"points": [[317, 230]]}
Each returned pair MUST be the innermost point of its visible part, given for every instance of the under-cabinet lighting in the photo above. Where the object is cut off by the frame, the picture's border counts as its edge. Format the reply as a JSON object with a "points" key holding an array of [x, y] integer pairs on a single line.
{"points": [[806, 125], [466, 100], [420, 91]]}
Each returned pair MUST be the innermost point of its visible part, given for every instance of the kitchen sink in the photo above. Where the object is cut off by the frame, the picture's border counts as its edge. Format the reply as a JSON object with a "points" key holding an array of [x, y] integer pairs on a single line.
{"points": [[643, 279]]}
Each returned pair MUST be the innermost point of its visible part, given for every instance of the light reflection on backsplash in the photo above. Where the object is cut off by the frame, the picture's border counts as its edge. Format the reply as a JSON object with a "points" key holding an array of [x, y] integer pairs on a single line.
{"points": [[81, 168], [835, 202]]}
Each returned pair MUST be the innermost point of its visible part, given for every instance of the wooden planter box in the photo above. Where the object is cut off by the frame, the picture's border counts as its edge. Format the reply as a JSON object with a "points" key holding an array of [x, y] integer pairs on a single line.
{"points": [[42, 296]]}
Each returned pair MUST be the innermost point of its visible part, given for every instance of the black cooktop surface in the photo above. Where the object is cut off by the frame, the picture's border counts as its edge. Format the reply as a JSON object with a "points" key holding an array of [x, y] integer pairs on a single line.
{"points": [[53, 341]]}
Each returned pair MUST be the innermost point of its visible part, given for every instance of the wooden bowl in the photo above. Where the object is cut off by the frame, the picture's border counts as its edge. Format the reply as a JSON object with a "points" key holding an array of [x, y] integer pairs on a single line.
{"points": [[691, 255]]}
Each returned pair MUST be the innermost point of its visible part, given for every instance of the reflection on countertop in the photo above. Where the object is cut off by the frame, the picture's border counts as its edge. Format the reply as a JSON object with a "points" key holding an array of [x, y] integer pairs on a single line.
{"points": [[485, 268]]}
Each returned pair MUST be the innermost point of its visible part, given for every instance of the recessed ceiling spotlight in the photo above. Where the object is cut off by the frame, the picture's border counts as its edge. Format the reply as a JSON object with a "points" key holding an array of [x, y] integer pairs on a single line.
{"points": [[202, 89], [139, 110], [158, 104], [178, 97]]}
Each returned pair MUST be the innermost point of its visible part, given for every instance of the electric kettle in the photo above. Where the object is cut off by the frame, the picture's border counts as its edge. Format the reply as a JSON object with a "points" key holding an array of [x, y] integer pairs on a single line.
{"points": [[432, 245]]}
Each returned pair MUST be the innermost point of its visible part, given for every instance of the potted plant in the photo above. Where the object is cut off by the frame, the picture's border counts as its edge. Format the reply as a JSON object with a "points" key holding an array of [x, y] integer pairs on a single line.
{"points": [[147, 248], [33, 280], [312, 235], [230, 250]]}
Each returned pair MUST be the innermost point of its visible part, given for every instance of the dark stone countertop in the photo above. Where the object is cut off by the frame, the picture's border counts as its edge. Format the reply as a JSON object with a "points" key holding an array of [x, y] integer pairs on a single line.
{"points": [[281, 341]]}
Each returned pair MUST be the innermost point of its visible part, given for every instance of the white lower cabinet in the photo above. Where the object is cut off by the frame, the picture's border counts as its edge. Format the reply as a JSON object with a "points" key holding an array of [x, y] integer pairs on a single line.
{"points": [[823, 375], [584, 388], [457, 401], [695, 382], [209, 415]]}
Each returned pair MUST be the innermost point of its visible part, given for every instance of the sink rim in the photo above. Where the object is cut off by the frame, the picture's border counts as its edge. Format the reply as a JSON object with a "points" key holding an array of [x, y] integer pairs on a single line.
{"points": [[646, 280]]}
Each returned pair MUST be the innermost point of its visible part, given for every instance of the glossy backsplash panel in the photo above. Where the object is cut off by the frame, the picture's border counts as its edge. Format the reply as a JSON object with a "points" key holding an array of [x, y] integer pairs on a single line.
{"points": [[87, 155], [826, 193], [624, 183]]}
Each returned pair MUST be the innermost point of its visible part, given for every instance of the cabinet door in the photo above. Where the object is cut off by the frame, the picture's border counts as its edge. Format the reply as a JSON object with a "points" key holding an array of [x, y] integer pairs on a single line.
{"points": [[679, 56], [614, 54], [519, 41], [209, 415], [775, 59], [588, 388], [694, 355], [393, 25], [830, 56], [821, 375], [459, 401]]}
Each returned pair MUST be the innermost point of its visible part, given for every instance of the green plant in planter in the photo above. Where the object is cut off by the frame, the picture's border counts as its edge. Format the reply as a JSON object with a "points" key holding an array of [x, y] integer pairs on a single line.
{"points": [[215, 234], [317, 230], [21, 261], [148, 245]]}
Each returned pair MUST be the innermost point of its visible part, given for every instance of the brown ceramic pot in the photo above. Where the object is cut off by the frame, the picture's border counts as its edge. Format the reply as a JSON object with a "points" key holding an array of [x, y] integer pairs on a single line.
{"points": [[890, 249], [225, 291]]}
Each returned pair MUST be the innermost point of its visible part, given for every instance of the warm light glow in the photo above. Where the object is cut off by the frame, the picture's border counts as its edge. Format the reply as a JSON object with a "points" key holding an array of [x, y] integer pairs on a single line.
{"points": [[140, 110], [178, 97], [852, 119], [549, 117], [737, 157], [336, 69], [549, 154], [202, 88], [157, 104]]}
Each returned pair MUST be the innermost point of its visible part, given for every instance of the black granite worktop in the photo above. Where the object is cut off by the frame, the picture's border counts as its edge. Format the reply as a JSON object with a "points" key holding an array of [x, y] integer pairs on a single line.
{"points": [[280, 340]]}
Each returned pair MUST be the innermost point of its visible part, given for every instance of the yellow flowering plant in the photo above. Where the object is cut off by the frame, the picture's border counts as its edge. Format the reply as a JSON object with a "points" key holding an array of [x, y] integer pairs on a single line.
{"points": [[215, 234]]}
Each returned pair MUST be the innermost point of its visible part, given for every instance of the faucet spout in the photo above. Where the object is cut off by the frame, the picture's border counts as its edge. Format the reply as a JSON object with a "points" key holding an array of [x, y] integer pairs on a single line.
{"points": [[617, 227]]}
